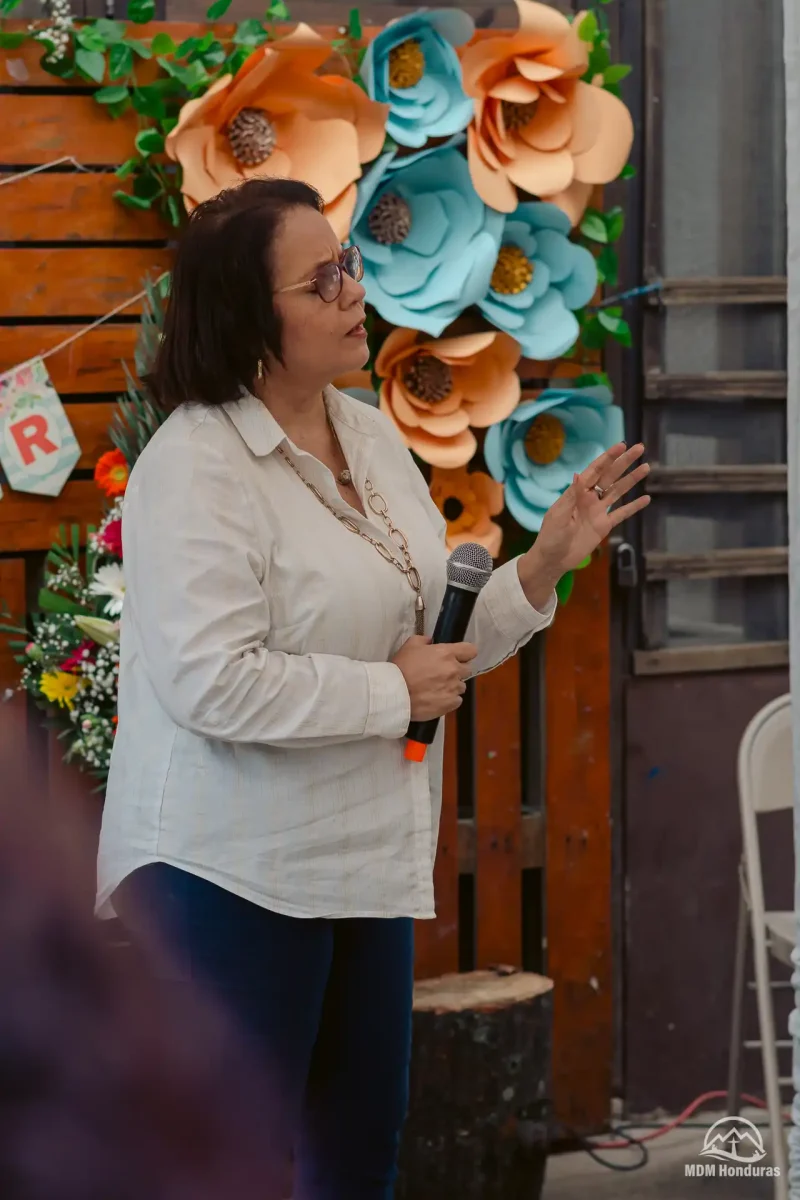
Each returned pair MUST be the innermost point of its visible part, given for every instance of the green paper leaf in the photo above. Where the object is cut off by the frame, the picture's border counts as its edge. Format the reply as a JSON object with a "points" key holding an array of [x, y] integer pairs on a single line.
{"points": [[140, 48], [593, 335], [111, 95], [162, 43], [250, 33], [584, 563], [91, 63], [127, 168], [217, 10], [592, 379], [173, 210], [186, 47], [147, 185], [8, 6], [277, 11], [615, 223], [132, 201], [608, 266], [623, 335], [214, 56], [89, 39], [616, 73], [564, 587], [149, 101], [120, 61], [628, 172], [588, 28], [110, 31], [149, 141], [354, 29], [192, 75], [53, 602], [10, 41], [593, 226], [141, 11]]}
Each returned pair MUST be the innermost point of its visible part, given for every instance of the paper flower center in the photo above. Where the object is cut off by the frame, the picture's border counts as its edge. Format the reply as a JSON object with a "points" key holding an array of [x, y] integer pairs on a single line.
{"points": [[517, 116], [406, 64], [545, 439], [428, 378], [389, 220], [453, 508], [251, 137], [512, 272]]}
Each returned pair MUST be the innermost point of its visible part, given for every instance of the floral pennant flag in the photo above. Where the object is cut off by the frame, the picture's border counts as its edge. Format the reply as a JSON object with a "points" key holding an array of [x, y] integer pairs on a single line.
{"points": [[38, 448]]}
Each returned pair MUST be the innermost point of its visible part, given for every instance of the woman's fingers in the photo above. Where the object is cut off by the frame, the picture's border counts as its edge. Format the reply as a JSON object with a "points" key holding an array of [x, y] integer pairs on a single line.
{"points": [[618, 515], [624, 485], [601, 466]]}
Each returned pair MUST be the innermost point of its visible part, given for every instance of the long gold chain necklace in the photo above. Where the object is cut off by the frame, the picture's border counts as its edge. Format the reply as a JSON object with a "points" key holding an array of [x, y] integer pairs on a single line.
{"points": [[377, 504]]}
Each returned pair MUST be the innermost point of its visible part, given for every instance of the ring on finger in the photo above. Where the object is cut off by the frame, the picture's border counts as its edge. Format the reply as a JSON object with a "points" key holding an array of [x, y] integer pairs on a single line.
{"points": [[600, 490]]}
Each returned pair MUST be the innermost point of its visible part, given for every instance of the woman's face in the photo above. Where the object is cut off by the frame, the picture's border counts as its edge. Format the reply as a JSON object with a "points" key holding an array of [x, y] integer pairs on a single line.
{"points": [[320, 340]]}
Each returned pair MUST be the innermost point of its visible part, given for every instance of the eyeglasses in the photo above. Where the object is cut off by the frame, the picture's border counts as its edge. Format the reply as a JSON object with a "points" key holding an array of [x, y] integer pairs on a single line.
{"points": [[329, 278]]}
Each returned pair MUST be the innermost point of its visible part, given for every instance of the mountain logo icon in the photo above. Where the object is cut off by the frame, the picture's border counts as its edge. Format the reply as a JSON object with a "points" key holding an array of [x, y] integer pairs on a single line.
{"points": [[734, 1139]]}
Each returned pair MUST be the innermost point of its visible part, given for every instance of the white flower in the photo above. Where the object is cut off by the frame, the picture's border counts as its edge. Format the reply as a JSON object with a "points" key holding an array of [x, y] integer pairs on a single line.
{"points": [[98, 629], [109, 581]]}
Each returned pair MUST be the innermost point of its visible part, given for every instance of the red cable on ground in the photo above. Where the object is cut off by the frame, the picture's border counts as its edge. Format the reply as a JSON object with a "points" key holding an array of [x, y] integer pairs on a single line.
{"points": [[673, 1124]]}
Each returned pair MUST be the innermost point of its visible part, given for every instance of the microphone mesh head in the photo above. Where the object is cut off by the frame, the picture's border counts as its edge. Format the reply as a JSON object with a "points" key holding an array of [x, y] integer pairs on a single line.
{"points": [[469, 566]]}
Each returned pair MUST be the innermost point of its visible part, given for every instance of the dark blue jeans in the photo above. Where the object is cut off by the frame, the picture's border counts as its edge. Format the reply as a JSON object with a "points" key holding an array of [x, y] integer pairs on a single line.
{"points": [[328, 1005]]}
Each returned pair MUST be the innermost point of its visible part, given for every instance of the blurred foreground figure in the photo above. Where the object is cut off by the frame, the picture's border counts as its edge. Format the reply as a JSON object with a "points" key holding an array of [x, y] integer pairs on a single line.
{"points": [[105, 1092]]}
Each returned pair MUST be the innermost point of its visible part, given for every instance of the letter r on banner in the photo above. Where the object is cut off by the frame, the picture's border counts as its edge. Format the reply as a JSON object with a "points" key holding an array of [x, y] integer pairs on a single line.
{"points": [[32, 432]]}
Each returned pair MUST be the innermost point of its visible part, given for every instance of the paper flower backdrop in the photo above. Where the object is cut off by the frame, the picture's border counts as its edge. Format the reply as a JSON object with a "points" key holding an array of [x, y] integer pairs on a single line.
{"points": [[539, 280], [429, 243], [544, 442], [412, 66], [434, 391], [538, 127], [468, 500], [278, 116]]}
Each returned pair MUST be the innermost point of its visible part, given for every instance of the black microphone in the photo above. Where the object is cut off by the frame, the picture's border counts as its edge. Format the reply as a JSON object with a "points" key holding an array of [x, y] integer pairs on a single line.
{"points": [[469, 568]]}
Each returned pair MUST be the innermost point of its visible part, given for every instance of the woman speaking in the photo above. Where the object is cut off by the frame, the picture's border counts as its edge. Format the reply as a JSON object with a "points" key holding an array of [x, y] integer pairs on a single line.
{"points": [[284, 562]]}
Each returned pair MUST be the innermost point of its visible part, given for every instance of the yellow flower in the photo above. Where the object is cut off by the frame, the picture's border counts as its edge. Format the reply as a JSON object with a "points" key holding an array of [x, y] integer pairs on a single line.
{"points": [[59, 687]]}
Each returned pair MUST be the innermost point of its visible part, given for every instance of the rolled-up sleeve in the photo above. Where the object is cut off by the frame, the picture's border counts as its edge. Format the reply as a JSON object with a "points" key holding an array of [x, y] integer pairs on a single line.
{"points": [[504, 620], [197, 591]]}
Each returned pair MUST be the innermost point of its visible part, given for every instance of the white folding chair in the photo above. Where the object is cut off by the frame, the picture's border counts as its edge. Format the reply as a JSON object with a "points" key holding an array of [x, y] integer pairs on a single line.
{"points": [[765, 785]]}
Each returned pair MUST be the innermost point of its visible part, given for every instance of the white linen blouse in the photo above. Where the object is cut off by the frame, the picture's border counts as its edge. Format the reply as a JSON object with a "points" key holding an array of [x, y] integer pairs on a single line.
{"points": [[261, 724]]}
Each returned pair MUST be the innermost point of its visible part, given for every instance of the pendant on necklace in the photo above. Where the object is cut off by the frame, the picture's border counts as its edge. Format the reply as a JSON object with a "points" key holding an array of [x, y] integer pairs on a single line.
{"points": [[345, 478]]}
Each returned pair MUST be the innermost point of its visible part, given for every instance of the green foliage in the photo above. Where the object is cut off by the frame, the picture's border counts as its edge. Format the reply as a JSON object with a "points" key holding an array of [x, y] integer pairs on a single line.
{"points": [[138, 414]]}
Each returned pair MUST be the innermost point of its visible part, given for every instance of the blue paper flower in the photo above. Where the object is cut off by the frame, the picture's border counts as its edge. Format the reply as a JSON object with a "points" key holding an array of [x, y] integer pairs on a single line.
{"points": [[540, 278], [411, 66], [536, 451], [429, 243]]}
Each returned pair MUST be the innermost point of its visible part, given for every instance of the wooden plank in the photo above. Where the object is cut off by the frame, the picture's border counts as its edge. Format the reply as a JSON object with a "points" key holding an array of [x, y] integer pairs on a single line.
{"points": [[578, 847], [32, 522], [716, 385], [498, 818], [12, 599], [740, 289], [61, 207], [69, 283], [691, 659], [40, 129], [90, 423], [436, 942], [768, 478], [712, 564], [533, 855], [91, 364]]}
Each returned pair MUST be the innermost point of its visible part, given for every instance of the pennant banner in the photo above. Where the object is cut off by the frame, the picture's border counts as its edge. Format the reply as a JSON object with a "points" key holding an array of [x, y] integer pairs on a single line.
{"points": [[38, 449]]}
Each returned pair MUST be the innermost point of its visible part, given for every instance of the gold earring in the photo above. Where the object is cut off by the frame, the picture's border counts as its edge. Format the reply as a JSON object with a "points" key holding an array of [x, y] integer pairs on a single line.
{"points": [[260, 371]]}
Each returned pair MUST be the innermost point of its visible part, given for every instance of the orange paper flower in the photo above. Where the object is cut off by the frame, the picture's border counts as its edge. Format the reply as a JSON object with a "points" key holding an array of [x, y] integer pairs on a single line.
{"points": [[537, 126], [435, 390], [278, 117], [468, 501], [111, 473]]}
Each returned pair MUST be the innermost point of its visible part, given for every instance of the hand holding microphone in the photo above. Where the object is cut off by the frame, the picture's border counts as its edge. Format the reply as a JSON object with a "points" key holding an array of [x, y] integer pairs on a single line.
{"points": [[469, 568]]}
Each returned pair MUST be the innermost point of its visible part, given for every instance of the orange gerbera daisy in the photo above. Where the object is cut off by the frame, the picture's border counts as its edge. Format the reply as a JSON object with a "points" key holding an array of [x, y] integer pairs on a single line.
{"points": [[111, 473], [468, 500]]}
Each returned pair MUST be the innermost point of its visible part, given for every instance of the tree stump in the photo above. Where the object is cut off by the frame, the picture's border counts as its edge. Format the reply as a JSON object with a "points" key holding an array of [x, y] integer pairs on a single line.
{"points": [[480, 1069]]}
